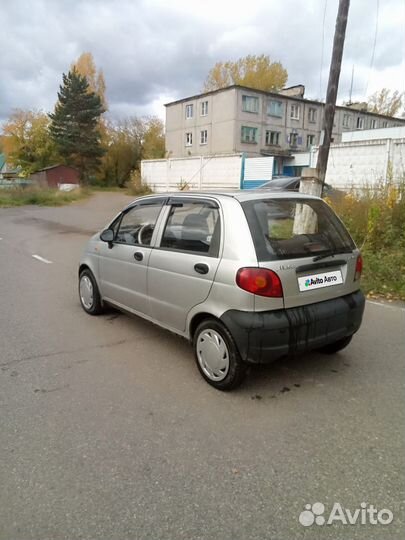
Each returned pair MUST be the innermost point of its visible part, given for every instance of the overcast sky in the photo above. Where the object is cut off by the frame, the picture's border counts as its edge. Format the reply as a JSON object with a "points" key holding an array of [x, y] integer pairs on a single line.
{"points": [[155, 51]]}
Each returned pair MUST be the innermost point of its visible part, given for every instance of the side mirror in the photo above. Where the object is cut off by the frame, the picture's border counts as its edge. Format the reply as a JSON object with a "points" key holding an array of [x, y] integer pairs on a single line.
{"points": [[107, 236]]}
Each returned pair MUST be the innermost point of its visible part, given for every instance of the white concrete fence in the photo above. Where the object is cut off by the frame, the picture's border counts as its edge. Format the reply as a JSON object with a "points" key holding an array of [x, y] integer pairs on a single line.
{"points": [[361, 164], [211, 173], [194, 173]]}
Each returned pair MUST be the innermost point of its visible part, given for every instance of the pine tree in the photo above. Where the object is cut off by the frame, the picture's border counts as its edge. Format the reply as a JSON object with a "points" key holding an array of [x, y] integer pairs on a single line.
{"points": [[75, 125]]}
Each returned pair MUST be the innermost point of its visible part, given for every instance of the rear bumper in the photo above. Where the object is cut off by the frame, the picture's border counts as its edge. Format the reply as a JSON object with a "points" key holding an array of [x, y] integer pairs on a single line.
{"points": [[264, 336]]}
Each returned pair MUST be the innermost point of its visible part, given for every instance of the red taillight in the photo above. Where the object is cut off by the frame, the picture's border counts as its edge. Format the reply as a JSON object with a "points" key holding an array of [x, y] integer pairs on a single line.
{"points": [[359, 268], [260, 281]]}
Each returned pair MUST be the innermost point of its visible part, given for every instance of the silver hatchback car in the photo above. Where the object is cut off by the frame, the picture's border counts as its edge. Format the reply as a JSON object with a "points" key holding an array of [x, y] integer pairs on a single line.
{"points": [[247, 277]]}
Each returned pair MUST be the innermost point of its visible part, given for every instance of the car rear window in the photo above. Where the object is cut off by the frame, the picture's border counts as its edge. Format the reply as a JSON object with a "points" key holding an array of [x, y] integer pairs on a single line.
{"points": [[290, 228]]}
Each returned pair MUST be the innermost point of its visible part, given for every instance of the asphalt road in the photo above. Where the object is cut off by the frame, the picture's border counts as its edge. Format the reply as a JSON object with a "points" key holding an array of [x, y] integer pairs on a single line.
{"points": [[107, 430]]}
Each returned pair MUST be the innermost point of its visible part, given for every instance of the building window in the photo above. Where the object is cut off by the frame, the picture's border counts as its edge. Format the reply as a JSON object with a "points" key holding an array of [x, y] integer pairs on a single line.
{"points": [[249, 134], [189, 139], [346, 120], [360, 122], [373, 123], [293, 139], [385, 124], [204, 108], [295, 112], [250, 104], [272, 138], [310, 140], [275, 108], [203, 136], [312, 115], [189, 111]]}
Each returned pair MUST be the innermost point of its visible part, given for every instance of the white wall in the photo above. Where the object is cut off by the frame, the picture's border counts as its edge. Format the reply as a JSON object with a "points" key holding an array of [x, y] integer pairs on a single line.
{"points": [[199, 172], [364, 163], [301, 159], [397, 157], [373, 134]]}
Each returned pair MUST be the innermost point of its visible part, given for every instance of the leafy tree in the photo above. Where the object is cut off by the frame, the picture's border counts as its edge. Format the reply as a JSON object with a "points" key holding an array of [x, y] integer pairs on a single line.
{"points": [[123, 151], [253, 71], [128, 142], [387, 102], [26, 141], [153, 144], [86, 66], [74, 124]]}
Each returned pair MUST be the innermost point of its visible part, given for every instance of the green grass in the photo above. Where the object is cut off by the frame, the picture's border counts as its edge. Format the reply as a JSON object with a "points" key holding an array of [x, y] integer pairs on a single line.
{"points": [[41, 197], [376, 220]]}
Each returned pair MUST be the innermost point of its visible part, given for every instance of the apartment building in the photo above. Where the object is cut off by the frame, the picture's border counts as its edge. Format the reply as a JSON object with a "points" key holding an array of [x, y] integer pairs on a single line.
{"points": [[239, 119]]}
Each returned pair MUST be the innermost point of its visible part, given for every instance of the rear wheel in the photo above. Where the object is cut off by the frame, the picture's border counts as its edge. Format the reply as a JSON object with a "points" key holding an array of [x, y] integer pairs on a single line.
{"points": [[217, 356], [89, 294], [337, 346]]}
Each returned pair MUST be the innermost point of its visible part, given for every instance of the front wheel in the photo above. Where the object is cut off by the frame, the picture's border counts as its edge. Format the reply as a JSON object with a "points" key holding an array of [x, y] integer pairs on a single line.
{"points": [[217, 356], [337, 346], [89, 294]]}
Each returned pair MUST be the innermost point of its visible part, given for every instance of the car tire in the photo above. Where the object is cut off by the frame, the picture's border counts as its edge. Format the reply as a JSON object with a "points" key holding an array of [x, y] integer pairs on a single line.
{"points": [[89, 294], [217, 356], [336, 346]]}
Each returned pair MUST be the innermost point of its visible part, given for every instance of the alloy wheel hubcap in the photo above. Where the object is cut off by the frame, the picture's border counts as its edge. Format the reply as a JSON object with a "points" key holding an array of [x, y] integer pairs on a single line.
{"points": [[86, 292], [213, 355]]}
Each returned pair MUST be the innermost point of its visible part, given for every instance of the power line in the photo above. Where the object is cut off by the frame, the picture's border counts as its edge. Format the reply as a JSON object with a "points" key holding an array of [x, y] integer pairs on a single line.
{"points": [[374, 46], [351, 85], [322, 49]]}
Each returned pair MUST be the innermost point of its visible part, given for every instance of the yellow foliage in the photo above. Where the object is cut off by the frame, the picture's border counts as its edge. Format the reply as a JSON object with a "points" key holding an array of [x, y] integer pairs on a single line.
{"points": [[153, 146], [386, 102], [26, 141], [86, 66], [252, 71], [392, 196]]}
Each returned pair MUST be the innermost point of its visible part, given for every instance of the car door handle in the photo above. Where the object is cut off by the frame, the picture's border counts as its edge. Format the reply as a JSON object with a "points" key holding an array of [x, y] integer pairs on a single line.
{"points": [[138, 256], [201, 268]]}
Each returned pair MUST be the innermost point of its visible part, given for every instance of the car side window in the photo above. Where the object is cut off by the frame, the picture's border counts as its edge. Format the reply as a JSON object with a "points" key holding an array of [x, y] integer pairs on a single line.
{"points": [[194, 227], [137, 225]]}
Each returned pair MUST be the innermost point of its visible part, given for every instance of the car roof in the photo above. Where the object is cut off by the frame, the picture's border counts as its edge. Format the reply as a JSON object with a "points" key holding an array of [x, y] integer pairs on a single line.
{"points": [[240, 195]]}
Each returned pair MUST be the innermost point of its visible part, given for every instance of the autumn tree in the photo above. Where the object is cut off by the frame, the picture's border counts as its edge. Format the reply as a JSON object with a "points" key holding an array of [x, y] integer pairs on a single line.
{"points": [[252, 71], [26, 141], [86, 66], [123, 151], [127, 142], [75, 124], [153, 140], [386, 102]]}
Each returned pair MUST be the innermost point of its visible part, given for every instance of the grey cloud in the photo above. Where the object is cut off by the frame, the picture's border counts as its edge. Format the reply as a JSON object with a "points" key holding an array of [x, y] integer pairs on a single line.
{"points": [[150, 49]]}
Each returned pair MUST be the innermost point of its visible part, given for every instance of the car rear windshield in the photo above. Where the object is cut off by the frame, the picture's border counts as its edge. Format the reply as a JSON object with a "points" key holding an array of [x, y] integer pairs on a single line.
{"points": [[290, 228]]}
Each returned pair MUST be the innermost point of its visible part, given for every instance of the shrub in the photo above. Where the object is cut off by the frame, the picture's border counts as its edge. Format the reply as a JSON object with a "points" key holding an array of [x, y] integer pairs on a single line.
{"points": [[375, 217], [136, 185], [39, 196]]}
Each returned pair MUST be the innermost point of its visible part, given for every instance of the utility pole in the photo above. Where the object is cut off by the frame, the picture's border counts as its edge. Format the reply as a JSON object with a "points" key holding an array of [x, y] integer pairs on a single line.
{"points": [[313, 180], [331, 93]]}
